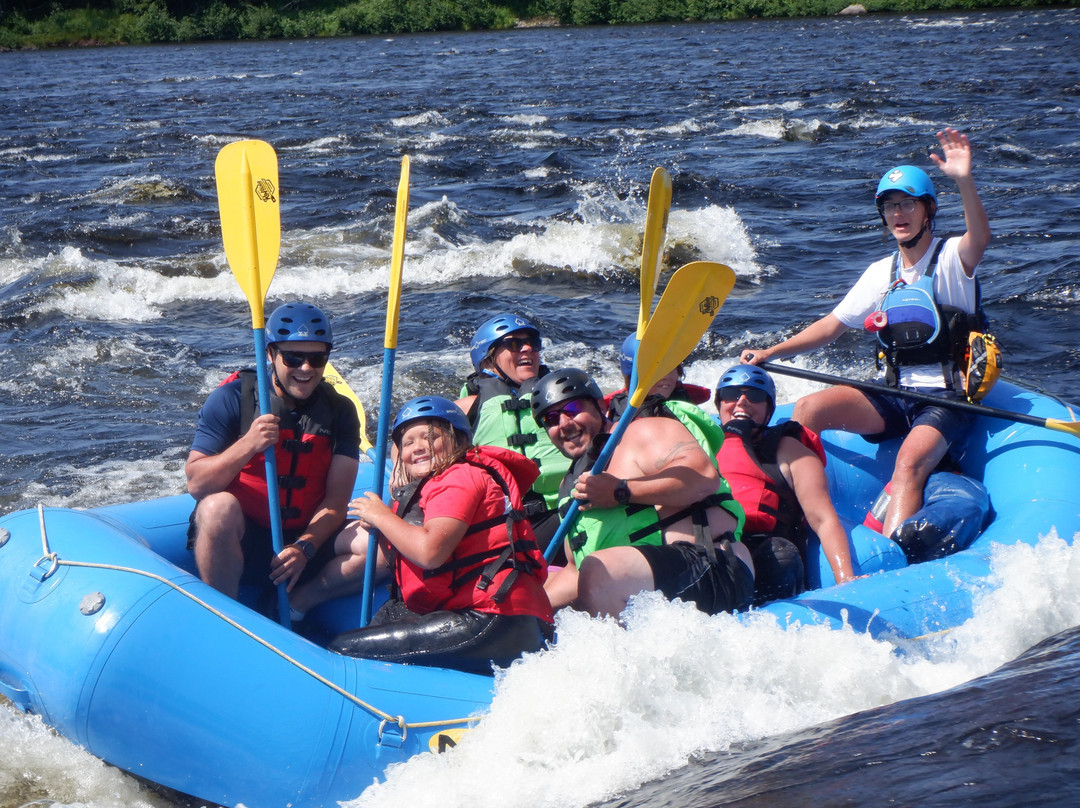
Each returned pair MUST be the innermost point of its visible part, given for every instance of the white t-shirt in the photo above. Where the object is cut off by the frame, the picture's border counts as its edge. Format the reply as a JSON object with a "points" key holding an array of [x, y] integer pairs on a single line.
{"points": [[952, 287]]}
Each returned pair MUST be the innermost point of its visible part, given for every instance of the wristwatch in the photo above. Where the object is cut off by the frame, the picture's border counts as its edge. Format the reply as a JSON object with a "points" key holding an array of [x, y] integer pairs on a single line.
{"points": [[622, 492], [306, 547]]}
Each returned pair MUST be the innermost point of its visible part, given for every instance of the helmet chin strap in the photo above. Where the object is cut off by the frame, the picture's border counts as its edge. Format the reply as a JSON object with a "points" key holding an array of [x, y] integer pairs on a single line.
{"points": [[911, 242], [278, 386], [497, 371]]}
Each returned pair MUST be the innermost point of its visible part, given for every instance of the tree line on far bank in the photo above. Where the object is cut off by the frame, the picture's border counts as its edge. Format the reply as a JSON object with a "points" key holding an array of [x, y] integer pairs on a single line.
{"points": [[53, 23]]}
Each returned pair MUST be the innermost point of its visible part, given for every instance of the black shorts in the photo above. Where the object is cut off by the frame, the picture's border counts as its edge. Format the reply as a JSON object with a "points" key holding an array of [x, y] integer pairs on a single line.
{"points": [[683, 570], [257, 545], [902, 414]]}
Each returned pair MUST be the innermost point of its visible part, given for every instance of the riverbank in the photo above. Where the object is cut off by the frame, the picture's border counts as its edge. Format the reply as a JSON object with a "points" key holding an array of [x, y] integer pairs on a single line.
{"points": [[119, 22]]}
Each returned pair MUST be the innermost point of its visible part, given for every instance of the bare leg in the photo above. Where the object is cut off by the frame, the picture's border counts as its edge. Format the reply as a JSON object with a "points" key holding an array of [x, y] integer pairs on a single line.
{"points": [[608, 578], [219, 527], [343, 574], [838, 408], [919, 454], [562, 585]]}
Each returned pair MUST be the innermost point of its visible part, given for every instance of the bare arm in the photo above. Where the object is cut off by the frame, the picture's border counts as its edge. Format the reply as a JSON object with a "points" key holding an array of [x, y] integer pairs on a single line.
{"points": [[428, 545], [210, 474], [955, 162], [806, 475], [819, 333], [663, 465]]}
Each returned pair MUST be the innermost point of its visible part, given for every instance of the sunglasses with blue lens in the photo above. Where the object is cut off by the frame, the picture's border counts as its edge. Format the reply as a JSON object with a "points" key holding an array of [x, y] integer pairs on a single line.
{"points": [[572, 408]]}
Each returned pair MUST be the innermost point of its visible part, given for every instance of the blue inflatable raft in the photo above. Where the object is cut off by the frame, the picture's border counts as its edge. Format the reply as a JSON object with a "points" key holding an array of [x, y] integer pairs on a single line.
{"points": [[109, 637]]}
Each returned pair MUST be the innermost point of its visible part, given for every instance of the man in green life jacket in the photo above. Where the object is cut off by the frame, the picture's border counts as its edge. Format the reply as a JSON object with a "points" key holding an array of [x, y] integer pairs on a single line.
{"points": [[659, 518], [505, 353]]}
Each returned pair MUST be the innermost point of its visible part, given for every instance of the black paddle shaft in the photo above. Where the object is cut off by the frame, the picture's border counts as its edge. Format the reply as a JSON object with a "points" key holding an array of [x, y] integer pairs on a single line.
{"points": [[978, 409]]}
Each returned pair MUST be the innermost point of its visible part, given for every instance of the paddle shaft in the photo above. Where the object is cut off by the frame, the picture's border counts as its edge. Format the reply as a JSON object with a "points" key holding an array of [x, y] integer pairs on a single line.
{"points": [[601, 463], [926, 398], [652, 243], [252, 237], [272, 496], [393, 307], [686, 309]]}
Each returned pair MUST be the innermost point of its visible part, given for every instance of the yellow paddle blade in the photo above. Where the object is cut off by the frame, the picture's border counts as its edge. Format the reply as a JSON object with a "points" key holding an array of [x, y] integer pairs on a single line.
{"points": [[1068, 427], [248, 199], [397, 256], [692, 298], [652, 245], [337, 381]]}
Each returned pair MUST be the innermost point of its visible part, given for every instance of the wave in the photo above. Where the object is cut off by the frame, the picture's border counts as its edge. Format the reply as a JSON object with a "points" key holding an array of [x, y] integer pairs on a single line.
{"points": [[609, 708], [602, 238]]}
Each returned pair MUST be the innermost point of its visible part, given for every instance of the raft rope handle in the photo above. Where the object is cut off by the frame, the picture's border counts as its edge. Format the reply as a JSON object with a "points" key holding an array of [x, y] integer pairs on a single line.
{"points": [[386, 717]]}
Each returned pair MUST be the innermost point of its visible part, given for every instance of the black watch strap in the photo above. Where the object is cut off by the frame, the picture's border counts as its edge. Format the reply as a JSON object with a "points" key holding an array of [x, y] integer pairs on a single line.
{"points": [[622, 492]]}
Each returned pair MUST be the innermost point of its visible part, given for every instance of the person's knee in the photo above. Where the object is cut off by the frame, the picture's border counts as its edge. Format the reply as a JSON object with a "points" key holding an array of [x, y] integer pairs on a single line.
{"points": [[912, 470], [598, 591], [219, 516], [808, 412]]}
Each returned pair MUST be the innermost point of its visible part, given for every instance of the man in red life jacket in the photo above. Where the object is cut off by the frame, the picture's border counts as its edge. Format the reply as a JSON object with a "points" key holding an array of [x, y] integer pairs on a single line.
{"points": [[777, 473], [315, 433]]}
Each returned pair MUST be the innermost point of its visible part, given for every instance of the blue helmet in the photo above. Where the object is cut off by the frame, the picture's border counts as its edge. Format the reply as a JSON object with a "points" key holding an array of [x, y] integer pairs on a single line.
{"points": [[299, 322], [628, 353], [908, 179], [563, 385], [495, 329], [749, 376], [430, 407]]}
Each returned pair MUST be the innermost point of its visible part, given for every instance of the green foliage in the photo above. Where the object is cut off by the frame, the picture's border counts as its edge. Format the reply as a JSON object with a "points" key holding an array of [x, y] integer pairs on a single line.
{"points": [[50, 23]]}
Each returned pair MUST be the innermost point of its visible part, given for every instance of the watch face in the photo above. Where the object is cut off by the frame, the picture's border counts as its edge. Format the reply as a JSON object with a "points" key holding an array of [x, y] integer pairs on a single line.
{"points": [[622, 492]]}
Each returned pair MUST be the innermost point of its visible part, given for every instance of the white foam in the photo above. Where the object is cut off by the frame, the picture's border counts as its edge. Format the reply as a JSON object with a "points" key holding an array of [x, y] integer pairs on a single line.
{"points": [[38, 765], [610, 708]]}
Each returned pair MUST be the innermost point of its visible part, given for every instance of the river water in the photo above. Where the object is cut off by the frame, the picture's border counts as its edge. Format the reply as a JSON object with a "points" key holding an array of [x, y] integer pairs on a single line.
{"points": [[531, 153]]}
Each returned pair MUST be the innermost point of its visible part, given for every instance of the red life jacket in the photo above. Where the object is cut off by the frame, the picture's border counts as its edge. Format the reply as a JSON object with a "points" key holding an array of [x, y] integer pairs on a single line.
{"points": [[752, 471], [303, 454], [497, 566]]}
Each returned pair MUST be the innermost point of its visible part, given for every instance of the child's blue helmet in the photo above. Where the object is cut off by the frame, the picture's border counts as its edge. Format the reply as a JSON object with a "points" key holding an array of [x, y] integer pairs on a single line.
{"points": [[430, 407]]}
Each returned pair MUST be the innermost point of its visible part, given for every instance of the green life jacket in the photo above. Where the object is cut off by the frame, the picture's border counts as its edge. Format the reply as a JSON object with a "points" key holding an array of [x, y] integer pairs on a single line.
{"points": [[700, 424], [634, 524], [503, 417]]}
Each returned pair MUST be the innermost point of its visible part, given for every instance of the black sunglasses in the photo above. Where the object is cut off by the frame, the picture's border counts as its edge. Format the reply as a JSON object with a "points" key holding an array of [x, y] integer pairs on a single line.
{"points": [[517, 343], [296, 359], [571, 408], [753, 394]]}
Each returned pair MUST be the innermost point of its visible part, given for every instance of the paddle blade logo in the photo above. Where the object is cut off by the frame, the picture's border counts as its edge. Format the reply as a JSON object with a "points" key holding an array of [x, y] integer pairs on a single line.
{"points": [[265, 190], [709, 305]]}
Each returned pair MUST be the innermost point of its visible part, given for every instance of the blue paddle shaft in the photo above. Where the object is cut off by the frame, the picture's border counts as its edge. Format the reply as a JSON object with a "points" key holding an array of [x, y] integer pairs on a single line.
{"points": [[273, 501], [381, 440], [600, 464]]}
